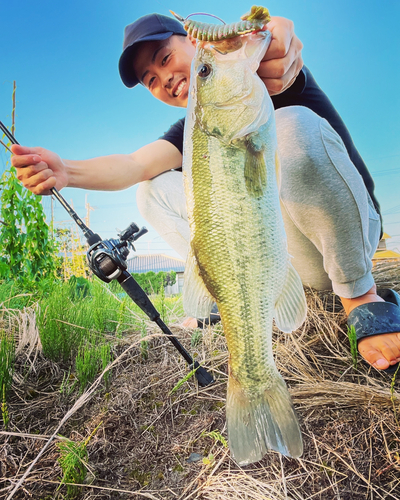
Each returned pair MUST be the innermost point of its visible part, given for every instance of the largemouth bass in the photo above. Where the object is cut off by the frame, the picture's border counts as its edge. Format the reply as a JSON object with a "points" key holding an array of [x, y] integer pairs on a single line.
{"points": [[238, 253]]}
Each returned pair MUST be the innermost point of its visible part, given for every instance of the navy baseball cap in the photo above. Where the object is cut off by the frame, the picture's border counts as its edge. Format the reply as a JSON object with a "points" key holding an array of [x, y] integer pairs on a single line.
{"points": [[145, 29]]}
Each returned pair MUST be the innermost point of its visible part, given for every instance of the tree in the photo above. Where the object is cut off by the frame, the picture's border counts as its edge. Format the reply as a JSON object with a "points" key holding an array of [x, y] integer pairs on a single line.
{"points": [[151, 282]]}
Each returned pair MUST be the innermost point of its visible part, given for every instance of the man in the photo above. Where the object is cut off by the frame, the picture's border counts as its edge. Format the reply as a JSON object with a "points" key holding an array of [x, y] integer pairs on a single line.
{"points": [[330, 212]]}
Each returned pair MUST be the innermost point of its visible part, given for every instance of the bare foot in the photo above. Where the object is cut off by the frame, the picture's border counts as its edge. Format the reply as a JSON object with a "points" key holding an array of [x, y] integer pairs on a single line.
{"points": [[381, 351], [189, 323]]}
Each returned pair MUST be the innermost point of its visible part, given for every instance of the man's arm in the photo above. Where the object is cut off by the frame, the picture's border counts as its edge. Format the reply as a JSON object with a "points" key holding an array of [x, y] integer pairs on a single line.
{"points": [[39, 169]]}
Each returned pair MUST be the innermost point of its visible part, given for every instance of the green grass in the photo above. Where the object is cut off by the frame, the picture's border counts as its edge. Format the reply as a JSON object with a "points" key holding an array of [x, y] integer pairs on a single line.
{"points": [[59, 335], [78, 319], [7, 359], [93, 356], [14, 296], [73, 462]]}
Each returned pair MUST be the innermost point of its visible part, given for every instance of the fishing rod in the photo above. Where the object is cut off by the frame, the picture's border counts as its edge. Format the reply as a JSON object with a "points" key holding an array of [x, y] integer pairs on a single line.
{"points": [[107, 260]]}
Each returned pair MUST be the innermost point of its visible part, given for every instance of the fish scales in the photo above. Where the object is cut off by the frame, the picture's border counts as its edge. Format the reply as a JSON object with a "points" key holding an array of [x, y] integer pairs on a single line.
{"points": [[238, 256], [232, 243]]}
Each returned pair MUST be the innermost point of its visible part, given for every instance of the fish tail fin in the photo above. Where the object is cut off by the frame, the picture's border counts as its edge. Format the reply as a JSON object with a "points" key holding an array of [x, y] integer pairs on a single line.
{"points": [[261, 421]]}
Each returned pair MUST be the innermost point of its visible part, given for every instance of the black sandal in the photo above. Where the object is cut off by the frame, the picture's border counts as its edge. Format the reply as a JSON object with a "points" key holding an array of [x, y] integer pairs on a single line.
{"points": [[377, 318], [213, 319]]}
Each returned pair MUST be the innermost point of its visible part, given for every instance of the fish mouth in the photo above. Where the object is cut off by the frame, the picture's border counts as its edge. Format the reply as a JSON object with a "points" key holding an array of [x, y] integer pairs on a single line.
{"points": [[179, 87]]}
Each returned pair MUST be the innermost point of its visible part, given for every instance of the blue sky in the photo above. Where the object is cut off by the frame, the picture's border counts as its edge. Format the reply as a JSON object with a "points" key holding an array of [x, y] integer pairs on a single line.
{"points": [[70, 99]]}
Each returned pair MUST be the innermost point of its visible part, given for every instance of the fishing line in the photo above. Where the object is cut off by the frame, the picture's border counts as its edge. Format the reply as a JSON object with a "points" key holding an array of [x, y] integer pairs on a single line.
{"points": [[203, 14]]}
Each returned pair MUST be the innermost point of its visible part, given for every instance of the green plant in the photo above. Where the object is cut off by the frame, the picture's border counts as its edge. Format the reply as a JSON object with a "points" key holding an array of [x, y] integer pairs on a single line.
{"points": [[7, 359], [4, 409], [57, 322], [182, 381], [209, 460], [162, 306], [73, 459], [68, 383], [216, 436], [105, 355], [351, 333], [196, 337], [28, 253], [90, 359], [151, 281]]}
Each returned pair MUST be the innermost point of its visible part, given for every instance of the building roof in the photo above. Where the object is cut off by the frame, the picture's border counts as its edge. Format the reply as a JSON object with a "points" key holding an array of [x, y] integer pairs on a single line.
{"points": [[155, 263], [386, 254]]}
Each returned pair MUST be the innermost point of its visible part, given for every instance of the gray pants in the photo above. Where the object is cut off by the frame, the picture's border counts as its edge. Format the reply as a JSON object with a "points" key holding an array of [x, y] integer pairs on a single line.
{"points": [[331, 225]]}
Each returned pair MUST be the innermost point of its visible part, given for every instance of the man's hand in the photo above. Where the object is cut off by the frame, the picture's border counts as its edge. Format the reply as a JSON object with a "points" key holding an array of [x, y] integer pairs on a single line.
{"points": [[282, 62], [38, 169]]}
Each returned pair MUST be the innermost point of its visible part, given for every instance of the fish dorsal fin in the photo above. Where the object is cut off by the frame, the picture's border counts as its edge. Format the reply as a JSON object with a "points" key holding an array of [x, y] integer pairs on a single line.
{"points": [[291, 306], [197, 300], [255, 169]]}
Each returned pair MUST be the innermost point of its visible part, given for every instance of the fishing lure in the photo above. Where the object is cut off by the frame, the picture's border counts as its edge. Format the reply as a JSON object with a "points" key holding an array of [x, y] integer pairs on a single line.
{"points": [[253, 21]]}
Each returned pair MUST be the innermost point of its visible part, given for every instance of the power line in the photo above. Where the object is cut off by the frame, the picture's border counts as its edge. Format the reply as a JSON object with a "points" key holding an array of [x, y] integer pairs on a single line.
{"points": [[381, 173]]}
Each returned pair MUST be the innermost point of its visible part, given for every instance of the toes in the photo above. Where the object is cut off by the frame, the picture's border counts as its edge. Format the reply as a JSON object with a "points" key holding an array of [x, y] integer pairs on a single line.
{"points": [[390, 352], [372, 355], [381, 351]]}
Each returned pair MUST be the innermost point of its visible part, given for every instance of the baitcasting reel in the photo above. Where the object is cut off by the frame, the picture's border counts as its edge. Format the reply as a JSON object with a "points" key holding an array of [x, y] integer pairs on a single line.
{"points": [[107, 258]]}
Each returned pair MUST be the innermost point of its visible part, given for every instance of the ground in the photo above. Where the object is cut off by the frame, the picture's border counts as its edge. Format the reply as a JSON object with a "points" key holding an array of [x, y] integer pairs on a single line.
{"points": [[153, 442]]}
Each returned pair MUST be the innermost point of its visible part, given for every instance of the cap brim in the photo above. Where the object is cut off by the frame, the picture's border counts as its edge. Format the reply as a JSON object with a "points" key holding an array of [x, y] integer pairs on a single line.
{"points": [[126, 71]]}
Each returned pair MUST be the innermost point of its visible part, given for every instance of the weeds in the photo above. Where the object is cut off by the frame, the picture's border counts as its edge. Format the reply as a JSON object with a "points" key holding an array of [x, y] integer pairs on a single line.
{"points": [[4, 409], [87, 364], [59, 338], [73, 460], [182, 381], [105, 355], [216, 436], [7, 360], [92, 357], [196, 337], [163, 309], [351, 333], [68, 383]]}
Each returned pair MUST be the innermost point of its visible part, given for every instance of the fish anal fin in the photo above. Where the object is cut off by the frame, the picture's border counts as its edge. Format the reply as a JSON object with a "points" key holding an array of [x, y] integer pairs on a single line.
{"points": [[291, 306], [261, 421], [255, 169], [197, 300]]}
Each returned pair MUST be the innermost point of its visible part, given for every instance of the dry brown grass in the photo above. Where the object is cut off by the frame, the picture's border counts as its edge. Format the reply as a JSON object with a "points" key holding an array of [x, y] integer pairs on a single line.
{"points": [[349, 418]]}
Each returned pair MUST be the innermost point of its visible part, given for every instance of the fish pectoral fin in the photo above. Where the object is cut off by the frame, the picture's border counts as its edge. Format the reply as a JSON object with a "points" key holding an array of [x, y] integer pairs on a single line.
{"points": [[261, 420], [255, 169], [197, 300], [291, 306]]}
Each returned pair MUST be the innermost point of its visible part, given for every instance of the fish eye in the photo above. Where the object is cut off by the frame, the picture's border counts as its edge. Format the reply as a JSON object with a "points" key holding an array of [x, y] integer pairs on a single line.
{"points": [[204, 71]]}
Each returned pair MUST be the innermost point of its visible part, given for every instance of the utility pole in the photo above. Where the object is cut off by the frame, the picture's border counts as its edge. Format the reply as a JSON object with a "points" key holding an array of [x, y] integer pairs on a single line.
{"points": [[88, 209]]}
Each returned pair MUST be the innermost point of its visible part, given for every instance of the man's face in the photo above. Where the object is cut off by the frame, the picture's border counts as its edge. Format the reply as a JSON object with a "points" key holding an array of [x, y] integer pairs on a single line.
{"points": [[164, 68]]}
